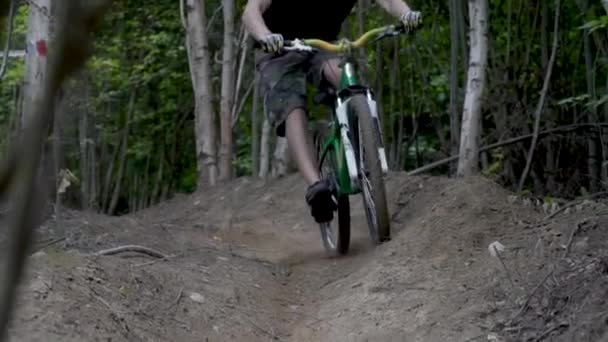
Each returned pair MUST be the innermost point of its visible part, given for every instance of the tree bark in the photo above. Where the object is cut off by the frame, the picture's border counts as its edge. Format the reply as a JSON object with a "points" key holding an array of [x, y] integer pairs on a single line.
{"points": [[468, 163], [38, 34], [227, 94], [281, 158], [265, 149], [197, 45]]}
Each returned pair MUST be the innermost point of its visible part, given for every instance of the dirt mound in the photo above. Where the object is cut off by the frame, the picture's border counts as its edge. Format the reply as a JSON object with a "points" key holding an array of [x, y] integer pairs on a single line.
{"points": [[245, 262]]}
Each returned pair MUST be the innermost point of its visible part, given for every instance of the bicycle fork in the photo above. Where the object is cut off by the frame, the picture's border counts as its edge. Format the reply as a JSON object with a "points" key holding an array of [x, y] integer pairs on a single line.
{"points": [[349, 151]]}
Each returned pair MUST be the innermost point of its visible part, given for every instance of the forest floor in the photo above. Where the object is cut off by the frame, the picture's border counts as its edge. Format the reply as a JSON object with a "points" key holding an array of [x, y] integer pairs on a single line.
{"points": [[245, 263]]}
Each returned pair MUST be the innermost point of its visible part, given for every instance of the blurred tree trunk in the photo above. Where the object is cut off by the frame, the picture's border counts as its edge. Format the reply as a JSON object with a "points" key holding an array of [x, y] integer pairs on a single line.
{"points": [[38, 34], [468, 162]]}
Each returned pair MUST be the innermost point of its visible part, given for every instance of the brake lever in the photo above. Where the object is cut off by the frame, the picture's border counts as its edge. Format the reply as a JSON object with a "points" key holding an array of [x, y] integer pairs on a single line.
{"points": [[393, 31]]}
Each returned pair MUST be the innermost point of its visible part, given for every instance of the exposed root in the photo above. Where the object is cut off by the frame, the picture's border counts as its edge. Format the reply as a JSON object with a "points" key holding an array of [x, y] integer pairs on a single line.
{"points": [[133, 249]]}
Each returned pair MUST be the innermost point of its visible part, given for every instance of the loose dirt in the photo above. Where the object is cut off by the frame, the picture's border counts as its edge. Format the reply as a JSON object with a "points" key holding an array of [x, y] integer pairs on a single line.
{"points": [[245, 263]]}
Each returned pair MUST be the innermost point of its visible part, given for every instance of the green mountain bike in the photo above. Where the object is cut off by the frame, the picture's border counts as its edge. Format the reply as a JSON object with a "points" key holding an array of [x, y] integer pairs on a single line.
{"points": [[350, 149]]}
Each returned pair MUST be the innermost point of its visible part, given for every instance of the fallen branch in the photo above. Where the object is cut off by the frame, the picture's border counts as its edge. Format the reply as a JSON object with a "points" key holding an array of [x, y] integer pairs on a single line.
{"points": [[511, 141], [527, 302], [574, 203], [550, 330], [134, 249], [180, 294]]}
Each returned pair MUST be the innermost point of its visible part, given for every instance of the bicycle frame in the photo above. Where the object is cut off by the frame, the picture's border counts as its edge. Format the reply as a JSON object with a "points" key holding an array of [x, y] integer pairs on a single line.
{"points": [[340, 142]]}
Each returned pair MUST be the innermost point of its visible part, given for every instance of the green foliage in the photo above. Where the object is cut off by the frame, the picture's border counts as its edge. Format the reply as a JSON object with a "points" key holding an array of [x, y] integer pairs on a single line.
{"points": [[140, 48]]}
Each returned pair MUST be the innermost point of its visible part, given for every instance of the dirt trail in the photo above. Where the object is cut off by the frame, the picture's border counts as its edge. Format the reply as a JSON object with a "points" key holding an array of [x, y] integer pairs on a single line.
{"points": [[246, 263]]}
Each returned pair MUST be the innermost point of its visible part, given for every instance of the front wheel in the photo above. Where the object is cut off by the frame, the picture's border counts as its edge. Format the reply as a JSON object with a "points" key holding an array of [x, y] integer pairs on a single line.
{"points": [[371, 175], [335, 235]]}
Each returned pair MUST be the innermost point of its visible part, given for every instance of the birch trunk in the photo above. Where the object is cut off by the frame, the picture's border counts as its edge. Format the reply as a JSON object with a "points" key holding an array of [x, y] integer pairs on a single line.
{"points": [[227, 95], [281, 158], [38, 34], [468, 163], [197, 45]]}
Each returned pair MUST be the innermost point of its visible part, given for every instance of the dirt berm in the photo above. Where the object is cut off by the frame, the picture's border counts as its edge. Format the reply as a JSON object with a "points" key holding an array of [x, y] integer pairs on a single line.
{"points": [[244, 262]]}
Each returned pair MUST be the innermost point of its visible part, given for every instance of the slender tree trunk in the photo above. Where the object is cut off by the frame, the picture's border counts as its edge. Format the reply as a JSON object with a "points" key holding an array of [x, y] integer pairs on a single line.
{"points": [[379, 80], [227, 95], [239, 80], [107, 185], [255, 128], [123, 155], [592, 165], [605, 5], [93, 178], [454, 112], [400, 123], [393, 115], [361, 10], [159, 178], [265, 149], [57, 157], [461, 11], [468, 163], [84, 154], [197, 45]]}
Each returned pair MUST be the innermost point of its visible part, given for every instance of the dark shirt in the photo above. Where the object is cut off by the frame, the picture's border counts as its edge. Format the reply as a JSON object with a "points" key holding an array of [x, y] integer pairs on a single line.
{"points": [[305, 19]]}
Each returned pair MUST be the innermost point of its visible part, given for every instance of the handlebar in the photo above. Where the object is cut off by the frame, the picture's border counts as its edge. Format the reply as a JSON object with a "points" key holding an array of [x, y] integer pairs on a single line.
{"points": [[345, 45]]}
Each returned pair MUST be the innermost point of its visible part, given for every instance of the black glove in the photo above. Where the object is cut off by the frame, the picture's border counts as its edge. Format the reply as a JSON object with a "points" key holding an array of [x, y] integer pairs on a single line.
{"points": [[272, 43]]}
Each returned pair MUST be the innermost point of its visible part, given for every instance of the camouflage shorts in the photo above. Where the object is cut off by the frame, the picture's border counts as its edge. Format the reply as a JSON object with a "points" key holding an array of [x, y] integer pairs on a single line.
{"points": [[283, 81]]}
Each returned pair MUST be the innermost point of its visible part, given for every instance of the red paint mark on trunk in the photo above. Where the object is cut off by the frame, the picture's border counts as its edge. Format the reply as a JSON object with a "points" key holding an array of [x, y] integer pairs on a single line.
{"points": [[41, 47]]}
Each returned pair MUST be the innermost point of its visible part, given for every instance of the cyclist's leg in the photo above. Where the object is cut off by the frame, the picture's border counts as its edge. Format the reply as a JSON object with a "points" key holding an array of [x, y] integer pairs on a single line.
{"points": [[326, 70], [283, 81]]}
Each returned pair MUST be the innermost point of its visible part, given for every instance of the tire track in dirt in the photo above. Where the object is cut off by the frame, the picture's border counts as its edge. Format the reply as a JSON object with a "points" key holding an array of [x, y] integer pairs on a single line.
{"points": [[430, 283]]}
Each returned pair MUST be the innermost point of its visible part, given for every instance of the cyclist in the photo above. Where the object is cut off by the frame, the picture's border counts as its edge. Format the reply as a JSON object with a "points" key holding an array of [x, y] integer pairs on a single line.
{"points": [[283, 75]]}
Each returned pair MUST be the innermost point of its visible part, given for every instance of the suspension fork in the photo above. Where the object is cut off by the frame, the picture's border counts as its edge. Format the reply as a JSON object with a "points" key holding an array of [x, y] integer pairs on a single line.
{"points": [[349, 80]]}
